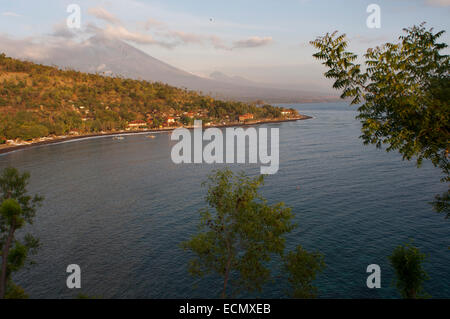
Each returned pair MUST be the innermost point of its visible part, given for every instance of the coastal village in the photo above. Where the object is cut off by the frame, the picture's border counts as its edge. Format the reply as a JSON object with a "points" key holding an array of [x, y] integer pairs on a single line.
{"points": [[174, 120], [170, 121], [42, 105]]}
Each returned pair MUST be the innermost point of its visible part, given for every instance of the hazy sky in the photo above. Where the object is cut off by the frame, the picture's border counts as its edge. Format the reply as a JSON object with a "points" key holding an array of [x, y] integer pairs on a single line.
{"points": [[263, 40]]}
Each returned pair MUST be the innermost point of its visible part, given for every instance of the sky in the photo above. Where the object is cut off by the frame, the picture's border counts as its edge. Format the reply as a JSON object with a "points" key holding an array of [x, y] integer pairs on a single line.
{"points": [[262, 40]]}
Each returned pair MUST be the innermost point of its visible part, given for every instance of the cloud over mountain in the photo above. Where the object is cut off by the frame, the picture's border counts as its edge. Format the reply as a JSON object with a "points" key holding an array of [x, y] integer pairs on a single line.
{"points": [[252, 42], [11, 14], [103, 14], [163, 35]]}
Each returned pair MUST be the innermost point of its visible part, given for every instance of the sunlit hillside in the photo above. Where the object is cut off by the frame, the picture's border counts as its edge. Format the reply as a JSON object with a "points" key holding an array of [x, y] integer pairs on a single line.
{"points": [[37, 101]]}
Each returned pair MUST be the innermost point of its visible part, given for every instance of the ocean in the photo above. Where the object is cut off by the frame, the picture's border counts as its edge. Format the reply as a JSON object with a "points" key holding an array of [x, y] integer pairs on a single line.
{"points": [[121, 208]]}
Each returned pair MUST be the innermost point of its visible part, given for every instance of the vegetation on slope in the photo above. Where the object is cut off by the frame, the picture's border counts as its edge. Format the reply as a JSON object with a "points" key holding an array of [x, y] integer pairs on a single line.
{"points": [[38, 100]]}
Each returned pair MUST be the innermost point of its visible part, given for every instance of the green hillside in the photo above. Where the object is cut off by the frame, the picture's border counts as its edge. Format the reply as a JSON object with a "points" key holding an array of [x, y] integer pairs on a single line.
{"points": [[38, 101]]}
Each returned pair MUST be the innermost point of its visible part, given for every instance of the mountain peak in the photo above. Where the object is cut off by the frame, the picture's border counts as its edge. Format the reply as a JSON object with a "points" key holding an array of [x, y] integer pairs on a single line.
{"points": [[112, 56]]}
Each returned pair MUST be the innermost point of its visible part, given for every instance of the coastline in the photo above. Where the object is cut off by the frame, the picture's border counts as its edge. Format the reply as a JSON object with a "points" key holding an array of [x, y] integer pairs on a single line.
{"points": [[4, 149]]}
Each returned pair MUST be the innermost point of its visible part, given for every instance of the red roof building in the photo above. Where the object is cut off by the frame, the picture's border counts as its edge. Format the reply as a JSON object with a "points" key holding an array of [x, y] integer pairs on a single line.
{"points": [[245, 117], [170, 120]]}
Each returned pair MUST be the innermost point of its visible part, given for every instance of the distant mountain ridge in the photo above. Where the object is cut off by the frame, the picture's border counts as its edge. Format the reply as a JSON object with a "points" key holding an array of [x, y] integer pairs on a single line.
{"points": [[110, 56], [222, 77]]}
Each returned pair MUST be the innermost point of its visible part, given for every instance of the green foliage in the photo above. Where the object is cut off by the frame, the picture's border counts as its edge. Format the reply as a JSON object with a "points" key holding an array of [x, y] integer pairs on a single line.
{"points": [[27, 132], [14, 292], [405, 93], [238, 237], [442, 203], [239, 233], [302, 268], [186, 120], [10, 212], [16, 210], [407, 262], [13, 185]]}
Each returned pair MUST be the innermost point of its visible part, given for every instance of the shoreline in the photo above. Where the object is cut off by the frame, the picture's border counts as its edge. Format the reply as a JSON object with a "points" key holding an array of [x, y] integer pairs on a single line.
{"points": [[60, 139]]}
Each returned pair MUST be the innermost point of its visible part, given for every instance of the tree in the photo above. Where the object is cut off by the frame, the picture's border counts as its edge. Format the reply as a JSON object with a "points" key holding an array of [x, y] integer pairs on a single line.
{"points": [[27, 131], [407, 262], [404, 91], [302, 268], [16, 210], [239, 233]]}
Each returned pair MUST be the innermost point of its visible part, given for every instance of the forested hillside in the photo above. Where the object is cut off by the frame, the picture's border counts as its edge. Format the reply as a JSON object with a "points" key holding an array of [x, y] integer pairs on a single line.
{"points": [[38, 101]]}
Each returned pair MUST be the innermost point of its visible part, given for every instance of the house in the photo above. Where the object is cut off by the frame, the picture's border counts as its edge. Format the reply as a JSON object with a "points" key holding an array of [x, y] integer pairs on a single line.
{"points": [[170, 120], [137, 124], [285, 112], [245, 117]]}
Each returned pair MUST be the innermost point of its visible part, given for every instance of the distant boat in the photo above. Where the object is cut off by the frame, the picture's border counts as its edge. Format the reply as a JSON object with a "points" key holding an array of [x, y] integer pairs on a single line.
{"points": [[118, 138], [151, 136]]}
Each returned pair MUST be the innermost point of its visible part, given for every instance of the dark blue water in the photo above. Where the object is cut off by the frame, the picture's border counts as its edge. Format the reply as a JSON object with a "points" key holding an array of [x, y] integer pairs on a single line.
{"points": [[120, 209]]}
